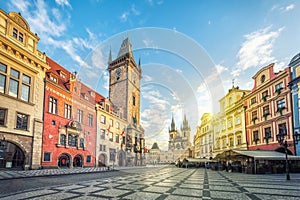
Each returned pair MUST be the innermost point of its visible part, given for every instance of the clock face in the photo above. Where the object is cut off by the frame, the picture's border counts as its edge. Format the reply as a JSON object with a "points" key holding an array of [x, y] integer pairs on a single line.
{"points": [[118, 72]]}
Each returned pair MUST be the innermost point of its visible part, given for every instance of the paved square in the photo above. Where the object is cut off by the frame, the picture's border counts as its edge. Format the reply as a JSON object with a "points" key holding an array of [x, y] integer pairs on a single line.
{"points": [[174, 183]]}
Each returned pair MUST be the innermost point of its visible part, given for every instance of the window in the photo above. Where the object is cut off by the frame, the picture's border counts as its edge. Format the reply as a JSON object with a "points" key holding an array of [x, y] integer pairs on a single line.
{"points": [[266, 110], [279, 86], [107, 108], [62, 75], [68, 111], [117, 125], [238, 120], [231, 142], [81, 143], [80, 115], [15, 33], [3, 69], [15, 78], [102, 134], [111, 122], [254, 115], [18, 35], [72, 140], [102, 119], [111, 135], [102, 147], [255, 136], [262, 78], [268, 133], [21, 37], [53, 78], [25, 87], [264, 94], [253, 100], [63, 139], [86, 97], [22, 121], [133, 100], [53, 122], [47, 157], [239, 140], [14, 83], [282, 129], [3, 114], [88, 158], [52, 105], [117, 138], [90, 119], [280, 104]]}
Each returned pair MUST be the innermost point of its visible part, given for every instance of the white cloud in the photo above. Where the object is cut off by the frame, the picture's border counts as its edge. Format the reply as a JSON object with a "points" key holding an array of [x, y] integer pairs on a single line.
{"points": [[179, 71], [153, 2], [147, 78], [132, 11], [221, 68], [124, 16], [148, 43], [289, 7], [257, 49], [63, 3], [283, 9]]}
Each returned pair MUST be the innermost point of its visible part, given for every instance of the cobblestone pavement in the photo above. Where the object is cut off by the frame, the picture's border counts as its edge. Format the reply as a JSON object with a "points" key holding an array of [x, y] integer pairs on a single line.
{"points": [[173, 183]]}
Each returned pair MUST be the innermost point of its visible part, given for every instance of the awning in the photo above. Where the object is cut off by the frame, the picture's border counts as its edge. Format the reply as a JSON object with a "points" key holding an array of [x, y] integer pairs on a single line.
{"points": [[266, 155], [198, 160], [255, 154]]}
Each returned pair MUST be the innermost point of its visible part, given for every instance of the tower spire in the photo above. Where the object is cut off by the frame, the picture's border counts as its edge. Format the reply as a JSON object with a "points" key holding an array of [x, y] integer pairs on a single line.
{"points": [[125, 48], [172, 125], [109, 57]]}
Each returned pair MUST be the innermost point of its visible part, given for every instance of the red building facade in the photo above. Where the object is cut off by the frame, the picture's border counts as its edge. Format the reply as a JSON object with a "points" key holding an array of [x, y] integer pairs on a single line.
{"points": [[69, 137], [268, 110]]}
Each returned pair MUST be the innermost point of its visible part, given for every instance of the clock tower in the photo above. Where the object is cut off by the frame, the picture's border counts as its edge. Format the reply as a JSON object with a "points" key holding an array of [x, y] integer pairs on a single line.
{"points": [[124, 92]]}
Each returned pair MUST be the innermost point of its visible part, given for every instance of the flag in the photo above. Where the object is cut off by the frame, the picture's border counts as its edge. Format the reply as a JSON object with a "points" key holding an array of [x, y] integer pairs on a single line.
{"points": [[123, 132], [108, 130]]}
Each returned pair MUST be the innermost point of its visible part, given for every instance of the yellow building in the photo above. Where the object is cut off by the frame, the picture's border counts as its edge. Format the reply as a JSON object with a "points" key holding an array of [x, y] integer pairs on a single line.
{"points": [[197, 143], [111, 131], [229, 123], [204, 137], [22, 73]]}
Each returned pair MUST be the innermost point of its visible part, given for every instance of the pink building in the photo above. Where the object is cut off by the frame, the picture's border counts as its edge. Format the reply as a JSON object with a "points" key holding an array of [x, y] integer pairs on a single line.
{"points": [[268, 110]]}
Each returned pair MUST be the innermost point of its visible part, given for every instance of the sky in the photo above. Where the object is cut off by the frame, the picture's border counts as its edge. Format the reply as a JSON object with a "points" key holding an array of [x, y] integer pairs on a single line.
{"points": [[191, 51]]}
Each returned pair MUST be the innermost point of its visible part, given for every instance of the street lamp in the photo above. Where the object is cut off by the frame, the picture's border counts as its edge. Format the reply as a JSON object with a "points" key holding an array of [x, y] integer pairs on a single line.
{"points": [[281, 138], [3, 143]]}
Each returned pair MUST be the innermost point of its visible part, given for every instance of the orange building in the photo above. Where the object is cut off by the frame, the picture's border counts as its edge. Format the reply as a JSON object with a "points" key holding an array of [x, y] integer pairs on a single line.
{"points": [[69, 138], [268, 110]]}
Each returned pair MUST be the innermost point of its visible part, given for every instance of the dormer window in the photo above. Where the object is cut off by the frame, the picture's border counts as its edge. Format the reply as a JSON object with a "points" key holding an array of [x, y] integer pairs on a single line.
{"points": [[62, 74], [18, 35], [92, 93], [86, 97], [53, 78], [262, 78]]}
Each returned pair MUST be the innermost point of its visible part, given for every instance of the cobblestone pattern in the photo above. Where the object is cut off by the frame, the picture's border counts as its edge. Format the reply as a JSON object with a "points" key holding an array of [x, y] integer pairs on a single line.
{"points": [[174, 183]]}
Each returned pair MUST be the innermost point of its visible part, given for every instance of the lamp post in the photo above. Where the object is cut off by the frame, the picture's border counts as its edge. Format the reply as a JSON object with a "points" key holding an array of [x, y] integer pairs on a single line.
{"points": [[296, 138], [282, 140], [3, 143]]}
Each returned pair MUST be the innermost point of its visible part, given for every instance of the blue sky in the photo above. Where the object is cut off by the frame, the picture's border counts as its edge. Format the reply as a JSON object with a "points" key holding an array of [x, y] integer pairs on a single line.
{"points": [[190, 50]]}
